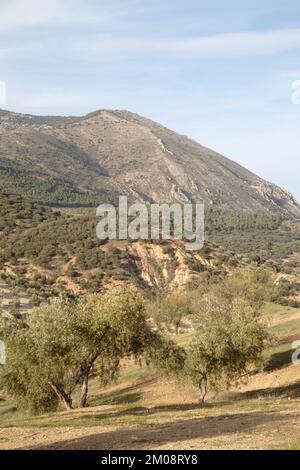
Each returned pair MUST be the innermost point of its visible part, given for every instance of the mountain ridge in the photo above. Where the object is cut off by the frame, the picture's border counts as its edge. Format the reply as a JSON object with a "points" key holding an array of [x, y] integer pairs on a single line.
{"points": [[85, 160]]}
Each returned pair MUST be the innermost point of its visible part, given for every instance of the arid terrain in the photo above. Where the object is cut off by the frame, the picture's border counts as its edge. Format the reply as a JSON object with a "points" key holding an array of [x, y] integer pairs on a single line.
{"points": [[146, 411], [53, 173], [107, 153]]}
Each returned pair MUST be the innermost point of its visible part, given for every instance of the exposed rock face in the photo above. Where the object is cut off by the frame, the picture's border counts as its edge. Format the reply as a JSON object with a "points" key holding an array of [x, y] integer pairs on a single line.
{"points": [[118, 152]]}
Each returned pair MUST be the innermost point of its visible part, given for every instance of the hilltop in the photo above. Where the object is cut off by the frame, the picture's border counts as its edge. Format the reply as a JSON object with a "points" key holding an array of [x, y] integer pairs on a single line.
{"points": [[82, 161]]}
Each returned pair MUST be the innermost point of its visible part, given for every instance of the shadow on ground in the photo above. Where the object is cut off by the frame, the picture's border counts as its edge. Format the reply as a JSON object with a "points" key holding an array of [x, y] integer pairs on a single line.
{"points": [[153, 436], [126, 395], [279, 360], [288, 391]]}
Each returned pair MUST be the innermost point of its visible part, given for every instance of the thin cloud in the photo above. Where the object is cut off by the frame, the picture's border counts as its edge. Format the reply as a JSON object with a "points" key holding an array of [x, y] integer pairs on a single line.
{"points": [[50, 100], [17, 50], [291, 73], [25, 14], [237, 44]]}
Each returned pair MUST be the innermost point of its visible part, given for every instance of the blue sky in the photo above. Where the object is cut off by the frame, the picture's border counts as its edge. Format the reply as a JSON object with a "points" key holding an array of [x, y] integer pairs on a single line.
{"points": [[219, 72]]}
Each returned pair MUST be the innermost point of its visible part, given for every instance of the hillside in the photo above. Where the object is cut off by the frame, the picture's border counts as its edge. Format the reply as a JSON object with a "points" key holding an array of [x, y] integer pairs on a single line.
{"points": [[45, 251], [81, 161], [144, 410]]}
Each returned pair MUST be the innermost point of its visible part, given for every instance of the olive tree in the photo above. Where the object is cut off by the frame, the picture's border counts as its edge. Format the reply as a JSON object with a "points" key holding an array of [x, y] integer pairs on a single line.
{"points": [[227, 345], [166, 356], [61, 344], [170, 310]]}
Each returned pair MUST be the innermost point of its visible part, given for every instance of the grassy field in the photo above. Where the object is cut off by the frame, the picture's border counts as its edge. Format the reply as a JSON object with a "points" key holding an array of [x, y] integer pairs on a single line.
{"points": [[146, 411]]}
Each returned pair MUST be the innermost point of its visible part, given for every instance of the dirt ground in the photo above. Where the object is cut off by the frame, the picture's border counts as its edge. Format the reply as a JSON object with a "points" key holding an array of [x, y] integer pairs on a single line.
{"points": [[145, 411], [252, 430]]}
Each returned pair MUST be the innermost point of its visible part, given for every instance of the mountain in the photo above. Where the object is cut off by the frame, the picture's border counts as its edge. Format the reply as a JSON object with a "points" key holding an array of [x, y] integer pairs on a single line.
{"points": [[82, 161]]}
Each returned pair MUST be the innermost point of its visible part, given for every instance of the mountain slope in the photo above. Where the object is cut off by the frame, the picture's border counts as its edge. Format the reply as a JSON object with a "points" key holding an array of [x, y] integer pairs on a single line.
{"points": [[94, 158], [45, 251]]}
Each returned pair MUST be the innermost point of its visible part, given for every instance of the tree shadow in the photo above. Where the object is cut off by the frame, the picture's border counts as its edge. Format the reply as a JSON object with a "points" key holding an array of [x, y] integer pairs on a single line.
{"points": [[121, 396], [287, 391], [279, 360], [153, 436], [7, 411], [143, 411]]}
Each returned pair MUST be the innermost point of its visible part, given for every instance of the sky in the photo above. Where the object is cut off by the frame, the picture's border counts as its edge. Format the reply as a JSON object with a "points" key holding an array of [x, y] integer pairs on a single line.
{"points": [[220, 72]]}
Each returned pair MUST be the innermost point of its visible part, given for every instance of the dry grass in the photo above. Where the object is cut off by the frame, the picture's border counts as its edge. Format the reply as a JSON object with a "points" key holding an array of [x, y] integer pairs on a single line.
{"points": [[145, 411]]}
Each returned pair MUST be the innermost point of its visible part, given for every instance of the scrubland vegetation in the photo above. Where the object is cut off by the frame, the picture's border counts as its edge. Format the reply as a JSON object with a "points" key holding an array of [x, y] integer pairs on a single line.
{"points": [[129, 337], [49, 251]]}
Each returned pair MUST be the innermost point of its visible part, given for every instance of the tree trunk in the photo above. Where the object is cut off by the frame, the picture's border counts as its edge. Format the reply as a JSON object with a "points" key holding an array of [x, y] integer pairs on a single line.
{"points": [[64, 397], [177, 326], [202, 390], [85, 388]]}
